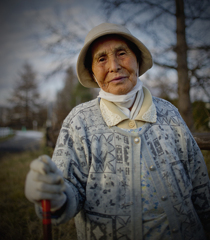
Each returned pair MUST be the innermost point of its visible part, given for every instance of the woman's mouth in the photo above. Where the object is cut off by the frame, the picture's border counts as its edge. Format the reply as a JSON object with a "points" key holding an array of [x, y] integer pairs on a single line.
{"points": [[117, 79]]}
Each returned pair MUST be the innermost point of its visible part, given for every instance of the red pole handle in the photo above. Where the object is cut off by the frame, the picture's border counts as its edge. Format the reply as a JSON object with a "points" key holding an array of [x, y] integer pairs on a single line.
{"points": [[47, 229]]}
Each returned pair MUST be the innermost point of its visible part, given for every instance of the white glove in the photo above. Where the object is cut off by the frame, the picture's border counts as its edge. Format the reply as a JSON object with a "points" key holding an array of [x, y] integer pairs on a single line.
{"points": [[45, 181]]}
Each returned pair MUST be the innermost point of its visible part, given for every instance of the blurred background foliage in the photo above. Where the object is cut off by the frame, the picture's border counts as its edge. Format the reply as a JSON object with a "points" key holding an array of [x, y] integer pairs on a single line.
{"points": [[175, 31]]}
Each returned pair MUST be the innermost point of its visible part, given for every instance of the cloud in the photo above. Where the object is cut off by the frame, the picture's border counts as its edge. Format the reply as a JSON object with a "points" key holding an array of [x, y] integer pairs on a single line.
{"points": [[23, 30]]}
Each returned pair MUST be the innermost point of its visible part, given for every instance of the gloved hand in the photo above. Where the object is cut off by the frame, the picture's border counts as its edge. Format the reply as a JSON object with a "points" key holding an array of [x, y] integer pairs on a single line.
{"points": [[45, 181]]}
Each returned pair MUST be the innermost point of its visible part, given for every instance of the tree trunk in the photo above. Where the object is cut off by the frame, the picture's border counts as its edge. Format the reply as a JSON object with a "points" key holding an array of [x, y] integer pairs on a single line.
{"points": [[184, 103]]}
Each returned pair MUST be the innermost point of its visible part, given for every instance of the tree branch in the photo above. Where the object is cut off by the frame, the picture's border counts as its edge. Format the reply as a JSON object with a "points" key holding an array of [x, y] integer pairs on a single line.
{"points": [[165, 65], [152, 4], [111, 6], [204, 47]]}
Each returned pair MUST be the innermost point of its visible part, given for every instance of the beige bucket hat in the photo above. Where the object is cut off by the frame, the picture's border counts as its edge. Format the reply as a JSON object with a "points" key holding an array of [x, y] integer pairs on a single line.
{"points": [[103, 29]]}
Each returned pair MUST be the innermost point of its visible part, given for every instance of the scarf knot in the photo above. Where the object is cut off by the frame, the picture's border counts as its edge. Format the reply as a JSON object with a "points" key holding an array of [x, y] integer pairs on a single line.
{"points": [[124, 102]]}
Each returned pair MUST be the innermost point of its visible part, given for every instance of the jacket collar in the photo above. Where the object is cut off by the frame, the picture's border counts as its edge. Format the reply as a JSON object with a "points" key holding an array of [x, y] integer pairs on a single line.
{"points": [[112, 115]]}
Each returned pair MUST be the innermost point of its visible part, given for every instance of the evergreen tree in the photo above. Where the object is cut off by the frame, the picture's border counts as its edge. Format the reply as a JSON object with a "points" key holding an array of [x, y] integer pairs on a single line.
{"points": [[25, 100]]}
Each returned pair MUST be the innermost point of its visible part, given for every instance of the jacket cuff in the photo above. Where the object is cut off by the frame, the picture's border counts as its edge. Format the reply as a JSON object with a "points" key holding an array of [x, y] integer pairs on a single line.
{"points": [[66, 212]]}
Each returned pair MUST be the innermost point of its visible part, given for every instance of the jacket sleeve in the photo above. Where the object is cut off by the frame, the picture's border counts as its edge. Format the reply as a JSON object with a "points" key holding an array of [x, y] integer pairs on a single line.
{"points": [[201, 183], [71, 156]]}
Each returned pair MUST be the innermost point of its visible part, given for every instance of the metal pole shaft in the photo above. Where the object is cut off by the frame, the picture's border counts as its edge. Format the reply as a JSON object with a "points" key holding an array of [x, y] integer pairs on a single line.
{"points": [[47, 229]]}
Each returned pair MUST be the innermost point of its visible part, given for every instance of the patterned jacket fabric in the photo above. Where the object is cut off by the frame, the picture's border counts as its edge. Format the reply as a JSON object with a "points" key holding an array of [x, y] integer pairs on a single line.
{"points": [[102, 169]]}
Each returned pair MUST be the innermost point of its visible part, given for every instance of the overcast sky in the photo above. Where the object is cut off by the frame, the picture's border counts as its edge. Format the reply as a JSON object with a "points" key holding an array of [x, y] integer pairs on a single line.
{"points": [[23, 32], [21, 38]]}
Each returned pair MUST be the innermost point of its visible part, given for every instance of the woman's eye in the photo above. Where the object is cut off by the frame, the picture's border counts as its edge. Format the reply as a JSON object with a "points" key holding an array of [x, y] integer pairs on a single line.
{"points": [[121, 53], [101, 59]]}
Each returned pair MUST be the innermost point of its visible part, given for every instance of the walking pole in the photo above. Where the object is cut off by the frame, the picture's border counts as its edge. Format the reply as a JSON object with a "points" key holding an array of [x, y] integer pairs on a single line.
{"points": [[47, 229]]}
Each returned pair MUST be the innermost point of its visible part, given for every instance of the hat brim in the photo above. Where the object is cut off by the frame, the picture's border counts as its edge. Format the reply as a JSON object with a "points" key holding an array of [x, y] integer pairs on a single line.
{"points": [[83, 73]]}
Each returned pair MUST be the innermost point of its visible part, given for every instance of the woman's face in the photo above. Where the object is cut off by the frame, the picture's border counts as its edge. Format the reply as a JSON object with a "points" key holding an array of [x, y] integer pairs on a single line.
{"points": [[114, 65]]}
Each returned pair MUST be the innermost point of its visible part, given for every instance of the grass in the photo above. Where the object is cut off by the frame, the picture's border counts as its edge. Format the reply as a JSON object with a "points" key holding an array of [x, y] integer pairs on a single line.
{"points": [[17, 216], [3, 139]]}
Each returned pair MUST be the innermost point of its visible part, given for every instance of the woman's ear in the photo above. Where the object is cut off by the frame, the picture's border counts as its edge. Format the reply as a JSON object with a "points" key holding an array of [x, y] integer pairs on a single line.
{"points": [[94, 77], [137, 72]]}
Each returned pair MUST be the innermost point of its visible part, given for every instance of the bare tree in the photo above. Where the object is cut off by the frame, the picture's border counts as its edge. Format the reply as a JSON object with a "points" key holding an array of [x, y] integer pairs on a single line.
{"points": [[65, 98], [72, 94], [179, 29], [178, 32], [63, 40]]}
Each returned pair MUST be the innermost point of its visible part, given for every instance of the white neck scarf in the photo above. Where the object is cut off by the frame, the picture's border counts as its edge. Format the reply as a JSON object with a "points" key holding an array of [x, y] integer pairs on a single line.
{"points": [[124, 102], [136, 106]]}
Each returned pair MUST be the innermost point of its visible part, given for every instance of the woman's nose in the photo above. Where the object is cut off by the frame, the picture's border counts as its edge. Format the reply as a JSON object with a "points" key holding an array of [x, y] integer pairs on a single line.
{"points": [[114, 65]]}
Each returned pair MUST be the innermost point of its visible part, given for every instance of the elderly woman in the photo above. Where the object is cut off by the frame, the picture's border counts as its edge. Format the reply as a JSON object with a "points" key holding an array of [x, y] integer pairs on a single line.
{"points": [[131, 168]]}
